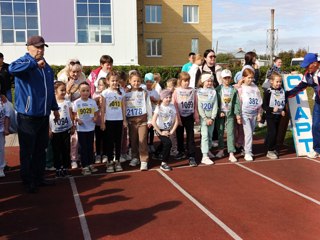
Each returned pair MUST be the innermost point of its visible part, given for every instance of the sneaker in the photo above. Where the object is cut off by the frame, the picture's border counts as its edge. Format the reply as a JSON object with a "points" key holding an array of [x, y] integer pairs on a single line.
{"points": [[134, 162], [192, 162], [86, 171], [180, 155], [271, 155], [110, 167], [210, 155], [144, 166], [98, 159], [220, 154], [124, 158], [248, 157], [232, 158], [50, 168], [104, 159], [117, 166], [93, 169], [313, 154], [206, 161], [74, 164], [165, 167], [2, 173], [215, 144]]}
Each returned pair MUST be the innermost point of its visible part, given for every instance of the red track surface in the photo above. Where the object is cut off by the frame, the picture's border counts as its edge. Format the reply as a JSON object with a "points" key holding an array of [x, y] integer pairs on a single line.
{"points": [[145, 205]]}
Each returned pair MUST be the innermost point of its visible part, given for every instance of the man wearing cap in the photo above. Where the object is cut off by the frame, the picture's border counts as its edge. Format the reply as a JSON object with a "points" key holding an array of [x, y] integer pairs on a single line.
{"points": [[311, 78], [6, 79], [34, 100]]}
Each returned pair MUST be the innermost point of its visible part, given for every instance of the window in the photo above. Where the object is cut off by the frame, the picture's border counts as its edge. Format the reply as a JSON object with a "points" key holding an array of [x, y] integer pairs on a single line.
{"points": [[153, 14], [154, 48], [19, 20], [94, 21], [195, 45], [190, 14]]}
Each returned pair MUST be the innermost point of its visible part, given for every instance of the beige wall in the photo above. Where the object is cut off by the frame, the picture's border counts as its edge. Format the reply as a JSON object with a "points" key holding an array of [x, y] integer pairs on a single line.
{"points": [[176, 36]]}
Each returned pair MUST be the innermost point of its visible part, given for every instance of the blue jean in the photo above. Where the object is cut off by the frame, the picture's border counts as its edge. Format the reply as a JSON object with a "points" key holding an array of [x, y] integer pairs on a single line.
{"points": [[316, 127]]}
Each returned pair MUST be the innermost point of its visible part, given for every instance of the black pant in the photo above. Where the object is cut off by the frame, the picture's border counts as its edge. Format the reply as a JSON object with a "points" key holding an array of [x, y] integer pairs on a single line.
{"points": [[273, 121], [100, 144], [164, 147], [188, 124], [85, 140], [113, 138], [150, 136], [61, 149], [33, 133]]}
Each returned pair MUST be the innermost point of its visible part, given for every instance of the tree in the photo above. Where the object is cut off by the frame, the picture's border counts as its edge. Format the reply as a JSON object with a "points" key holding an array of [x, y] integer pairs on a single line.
{"points": [[286, 57], [224, 57], [300, 53]]}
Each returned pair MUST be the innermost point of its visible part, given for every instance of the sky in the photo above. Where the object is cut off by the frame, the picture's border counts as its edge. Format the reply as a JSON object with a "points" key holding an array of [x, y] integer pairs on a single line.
{"points": [[244, 24]]}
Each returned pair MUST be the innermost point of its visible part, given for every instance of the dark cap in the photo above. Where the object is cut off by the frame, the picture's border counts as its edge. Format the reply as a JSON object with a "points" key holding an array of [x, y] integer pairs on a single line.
{"points": [[36, 41]]}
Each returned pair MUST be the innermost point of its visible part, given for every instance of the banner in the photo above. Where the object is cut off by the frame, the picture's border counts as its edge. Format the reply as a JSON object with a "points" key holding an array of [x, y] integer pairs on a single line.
{"points": [[301, 120]]}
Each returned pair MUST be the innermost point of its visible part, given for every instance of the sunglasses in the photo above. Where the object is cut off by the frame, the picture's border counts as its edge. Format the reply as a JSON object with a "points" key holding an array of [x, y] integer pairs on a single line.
{"points": [[73, 63], [213, 56]]}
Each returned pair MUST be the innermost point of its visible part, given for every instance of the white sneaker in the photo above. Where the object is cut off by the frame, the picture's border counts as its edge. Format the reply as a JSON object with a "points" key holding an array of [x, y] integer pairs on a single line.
{"points": [[134, 162], [50, 168], [210, 155], [248, 157], [2, 173], [313, 154], [272, 155], [232, 158], [104, 159], [124, 158], [130, 153], [98, 159], [110, 167], [74, 164], [86, 171], [207, 161], [220, 154], [144, 166], [118, 167], [215, 144]]}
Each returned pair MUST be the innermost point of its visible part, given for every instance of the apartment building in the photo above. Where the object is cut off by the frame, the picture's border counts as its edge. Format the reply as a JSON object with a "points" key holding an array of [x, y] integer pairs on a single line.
{"points": [[169, 29]]}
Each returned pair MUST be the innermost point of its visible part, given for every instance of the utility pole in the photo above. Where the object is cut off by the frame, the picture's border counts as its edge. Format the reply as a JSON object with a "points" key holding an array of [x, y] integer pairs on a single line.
{"points": [[272, 39]]}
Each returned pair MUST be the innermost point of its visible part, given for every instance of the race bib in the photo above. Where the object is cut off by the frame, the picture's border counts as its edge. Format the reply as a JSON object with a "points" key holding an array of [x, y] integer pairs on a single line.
{"points": [[135, 104], [185, 98], [277, 99]]}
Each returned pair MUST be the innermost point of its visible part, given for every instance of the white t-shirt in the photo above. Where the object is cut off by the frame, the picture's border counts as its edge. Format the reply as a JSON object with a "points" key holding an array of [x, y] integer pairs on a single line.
{"points": [[185, 101], [85, 111], [166, 116], [4, 112], [65, 122], [113, 105], [158, 88], [153, 93]]}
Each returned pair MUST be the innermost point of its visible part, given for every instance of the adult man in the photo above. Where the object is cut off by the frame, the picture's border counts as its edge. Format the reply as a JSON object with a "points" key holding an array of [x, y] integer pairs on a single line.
{"points": [[34, 100], [311, 78], [186, 67], [6, 79]]}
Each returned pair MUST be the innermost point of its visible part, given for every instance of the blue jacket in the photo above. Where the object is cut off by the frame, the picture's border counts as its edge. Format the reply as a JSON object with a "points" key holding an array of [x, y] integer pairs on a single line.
{"points": [[34, 91]]}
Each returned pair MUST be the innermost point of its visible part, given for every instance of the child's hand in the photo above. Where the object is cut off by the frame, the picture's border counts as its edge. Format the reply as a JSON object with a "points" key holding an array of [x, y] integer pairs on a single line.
{"points": [[239, 119], [149, 125], [165, 133], [275, 109], [209, 121], [50, 134], [283, 113], [258, 118], [197, 120], [222, 114], [80, 122]]}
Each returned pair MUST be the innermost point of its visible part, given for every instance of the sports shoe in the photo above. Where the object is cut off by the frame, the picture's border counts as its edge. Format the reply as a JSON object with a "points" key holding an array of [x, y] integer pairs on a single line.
{"points": [[86, 171], [313, 154], [165, 167], [144, 166], [210, 155], [104, 158], [248, 157], [117, 166], [134, 162], [74, 164], [2, 173], [93, 169], [124, 158], [215, 144], [192, 162], [180, 155], [232, 158], [220, 154], [271, 155], [206, 161], [110, 167], [98, 159], [50, 168]]}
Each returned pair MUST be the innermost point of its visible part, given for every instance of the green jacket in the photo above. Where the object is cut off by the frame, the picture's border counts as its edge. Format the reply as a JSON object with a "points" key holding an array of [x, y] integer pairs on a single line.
{"points": [[235, 102]]}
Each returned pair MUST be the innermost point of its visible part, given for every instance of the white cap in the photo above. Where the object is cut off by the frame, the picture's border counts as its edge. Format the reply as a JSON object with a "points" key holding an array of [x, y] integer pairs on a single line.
{"points": [[226, 73], [205, 77]]}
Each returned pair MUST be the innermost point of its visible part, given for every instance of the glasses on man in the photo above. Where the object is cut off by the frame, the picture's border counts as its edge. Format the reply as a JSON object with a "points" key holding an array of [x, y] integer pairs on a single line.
{"points": [[74, 62]]}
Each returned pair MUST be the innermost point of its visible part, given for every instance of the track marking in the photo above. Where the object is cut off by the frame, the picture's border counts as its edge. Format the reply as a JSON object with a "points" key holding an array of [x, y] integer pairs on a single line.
{"points": [[81, 214], [280, 184], [312, 159], [202, 208]]}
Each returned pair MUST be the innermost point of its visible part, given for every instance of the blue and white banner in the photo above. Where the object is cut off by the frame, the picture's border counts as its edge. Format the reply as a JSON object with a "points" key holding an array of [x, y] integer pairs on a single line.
{"points": [[301, 120]]}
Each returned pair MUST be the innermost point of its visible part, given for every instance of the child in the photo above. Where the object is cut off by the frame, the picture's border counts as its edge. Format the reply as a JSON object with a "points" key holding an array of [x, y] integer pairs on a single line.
{"points": [[113, 120], [207, 107], [85, 114], [251, 110], [171, 85], [194, 69], [229, 107], [157, 79], [4, 131], [139, 114], [101, 145], [61, 130], [185, 100], [165, 122], [154, 98], [274, 104]]}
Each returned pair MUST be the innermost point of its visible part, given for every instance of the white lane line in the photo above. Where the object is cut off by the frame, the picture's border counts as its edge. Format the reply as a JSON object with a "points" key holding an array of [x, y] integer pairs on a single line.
{"points": [[82, 216], [202, 208], [312, 159], [280, 184]]}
